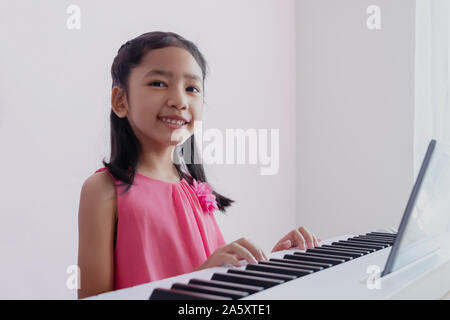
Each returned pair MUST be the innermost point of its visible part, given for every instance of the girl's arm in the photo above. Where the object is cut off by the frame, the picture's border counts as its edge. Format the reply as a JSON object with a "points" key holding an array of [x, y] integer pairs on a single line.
{"points": [[96, 223]]}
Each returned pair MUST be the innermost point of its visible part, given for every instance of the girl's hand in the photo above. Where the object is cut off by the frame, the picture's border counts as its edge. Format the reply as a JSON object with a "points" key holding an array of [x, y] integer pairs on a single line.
{"points": [[300, 237], [232, 253]]}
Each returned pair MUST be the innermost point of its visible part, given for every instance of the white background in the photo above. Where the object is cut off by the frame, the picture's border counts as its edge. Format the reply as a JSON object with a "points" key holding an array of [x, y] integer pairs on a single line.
{"points": [[355, 115], [341, 95]]}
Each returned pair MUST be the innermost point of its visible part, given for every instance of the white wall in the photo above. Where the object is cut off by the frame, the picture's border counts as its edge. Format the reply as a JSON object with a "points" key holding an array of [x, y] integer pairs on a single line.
{"points": [[355, 115], [54, 118]]}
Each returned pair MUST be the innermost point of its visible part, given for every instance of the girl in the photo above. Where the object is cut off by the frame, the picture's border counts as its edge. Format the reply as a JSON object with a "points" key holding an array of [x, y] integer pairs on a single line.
{"points": [[148, 214]]}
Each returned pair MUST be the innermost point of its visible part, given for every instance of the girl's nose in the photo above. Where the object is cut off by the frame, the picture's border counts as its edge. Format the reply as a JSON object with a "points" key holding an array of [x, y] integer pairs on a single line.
{"points": [[177, 100], [180, 106]]}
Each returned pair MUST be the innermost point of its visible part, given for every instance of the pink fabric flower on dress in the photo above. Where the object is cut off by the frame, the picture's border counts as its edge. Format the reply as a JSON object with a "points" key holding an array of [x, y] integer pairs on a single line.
{"points": [[205, 196]]}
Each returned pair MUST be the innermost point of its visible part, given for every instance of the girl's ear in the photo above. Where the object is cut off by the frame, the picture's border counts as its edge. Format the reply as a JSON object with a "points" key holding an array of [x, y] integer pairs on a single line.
{"points": [[119, 102]]}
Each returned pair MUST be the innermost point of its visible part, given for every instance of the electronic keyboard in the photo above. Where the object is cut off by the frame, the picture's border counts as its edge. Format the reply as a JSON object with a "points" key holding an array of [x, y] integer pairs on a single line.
{"points": [[345, 267]]}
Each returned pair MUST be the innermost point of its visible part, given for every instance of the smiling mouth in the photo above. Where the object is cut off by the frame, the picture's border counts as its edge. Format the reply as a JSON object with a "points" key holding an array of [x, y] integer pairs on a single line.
{"points": [[171, 123]]}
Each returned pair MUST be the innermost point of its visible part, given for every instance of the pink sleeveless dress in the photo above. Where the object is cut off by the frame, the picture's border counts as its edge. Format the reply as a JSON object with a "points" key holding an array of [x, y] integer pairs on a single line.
{"points": [[162, 231]]}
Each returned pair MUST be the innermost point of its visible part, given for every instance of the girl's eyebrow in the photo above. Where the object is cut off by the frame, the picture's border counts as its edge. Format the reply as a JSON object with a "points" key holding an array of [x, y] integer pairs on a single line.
{"points": [[169, 74]]}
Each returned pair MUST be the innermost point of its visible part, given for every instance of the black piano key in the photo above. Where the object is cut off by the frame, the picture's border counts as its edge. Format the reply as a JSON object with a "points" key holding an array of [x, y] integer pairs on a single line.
{"points": [[337, 248], [176, 294], [250, 280], [269, 275], [227, 285], [292, 265], [389, 243], [375, 238], [277, 269], [336, 252], [364, 243], [356, 244], [346, 245], [382, 234], [233, 294], [307, 263], [389, 234], [323, 255], [313, 259], [384, 245]]}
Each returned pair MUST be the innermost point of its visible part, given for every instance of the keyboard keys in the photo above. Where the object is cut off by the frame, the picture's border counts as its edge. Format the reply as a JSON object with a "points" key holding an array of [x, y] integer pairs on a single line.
{"points": [[307, 263], [250, 280], [176, 294], [377, 237], [314, 259], [336, 252], [238, 283], [388, 242], [393, 235], [382, 240], [356, 244], [292, 265], [269, 275], [323, 255], [227, 285], [351, 249], [277, 269], [234, 294], [384, 245], [349, 246]]}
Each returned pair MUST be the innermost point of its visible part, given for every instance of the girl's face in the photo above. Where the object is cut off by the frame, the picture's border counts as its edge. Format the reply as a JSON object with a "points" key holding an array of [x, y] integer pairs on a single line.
{"points": [[167, 83]]}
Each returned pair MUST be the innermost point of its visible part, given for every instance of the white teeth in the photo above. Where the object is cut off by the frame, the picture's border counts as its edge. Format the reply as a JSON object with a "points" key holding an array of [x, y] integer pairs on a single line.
{"points": [[179, 122]]}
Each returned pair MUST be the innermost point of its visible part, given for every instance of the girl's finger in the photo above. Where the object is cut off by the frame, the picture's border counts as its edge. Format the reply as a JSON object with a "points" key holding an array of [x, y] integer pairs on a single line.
{"points": [[282, 245], [242, 252], [307, 236], [256, 252], [263, 255], [295, 234], [316, 244], [229, 258]]}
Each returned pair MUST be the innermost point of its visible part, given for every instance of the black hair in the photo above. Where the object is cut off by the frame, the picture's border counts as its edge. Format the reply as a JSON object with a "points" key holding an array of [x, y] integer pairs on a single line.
{"points": [[125, 146]]}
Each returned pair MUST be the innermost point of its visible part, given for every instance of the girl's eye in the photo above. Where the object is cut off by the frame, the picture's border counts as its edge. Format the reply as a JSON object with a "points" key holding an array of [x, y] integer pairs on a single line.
{"points": [[159, 82], [156, 82], [195, 89]]}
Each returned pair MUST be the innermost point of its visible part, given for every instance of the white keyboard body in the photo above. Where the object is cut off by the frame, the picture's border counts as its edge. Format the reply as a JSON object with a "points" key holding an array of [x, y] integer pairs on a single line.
{"points": [[427, 278]]}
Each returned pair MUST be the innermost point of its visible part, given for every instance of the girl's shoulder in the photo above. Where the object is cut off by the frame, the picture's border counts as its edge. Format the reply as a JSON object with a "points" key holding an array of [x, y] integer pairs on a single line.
{"points": [[101, 179], [98, 191]]}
